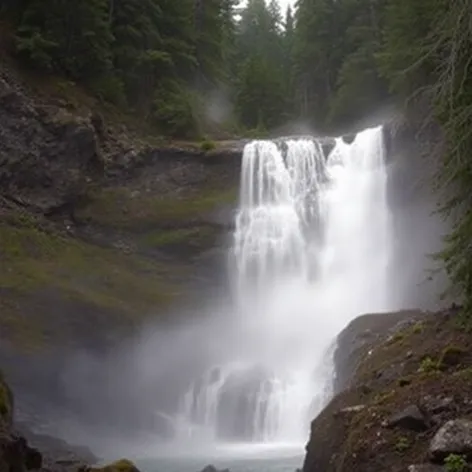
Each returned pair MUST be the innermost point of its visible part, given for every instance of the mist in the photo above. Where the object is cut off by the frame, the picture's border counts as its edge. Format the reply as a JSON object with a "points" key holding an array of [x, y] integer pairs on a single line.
{"points": [[252, 364]]}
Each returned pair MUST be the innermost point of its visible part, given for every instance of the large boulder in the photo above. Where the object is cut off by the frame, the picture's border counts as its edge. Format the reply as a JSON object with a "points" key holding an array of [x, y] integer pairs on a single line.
{"points": [[360, 336], [454, 437]]}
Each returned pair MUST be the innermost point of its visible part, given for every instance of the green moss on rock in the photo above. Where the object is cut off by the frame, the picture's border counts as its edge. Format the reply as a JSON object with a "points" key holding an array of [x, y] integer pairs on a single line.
{"points": [[123, 208], [122, 465], [35, 262]]}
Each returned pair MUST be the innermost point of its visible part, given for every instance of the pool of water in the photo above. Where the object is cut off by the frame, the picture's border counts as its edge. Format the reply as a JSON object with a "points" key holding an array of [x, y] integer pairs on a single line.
{"points": [[236, 458]]}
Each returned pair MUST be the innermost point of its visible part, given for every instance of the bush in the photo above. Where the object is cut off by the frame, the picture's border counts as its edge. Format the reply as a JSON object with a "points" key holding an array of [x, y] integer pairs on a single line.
{"points": [[402, 444], [455, 463], [428, 365], [207, 145], [36, 49]]}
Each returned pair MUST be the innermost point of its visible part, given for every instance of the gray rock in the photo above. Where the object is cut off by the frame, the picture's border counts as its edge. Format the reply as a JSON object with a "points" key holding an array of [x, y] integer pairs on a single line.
{"points": [[350, 410], [363, 335], [411, 418], [425, 468], [212, 468], [442, 404], [454, 437]]}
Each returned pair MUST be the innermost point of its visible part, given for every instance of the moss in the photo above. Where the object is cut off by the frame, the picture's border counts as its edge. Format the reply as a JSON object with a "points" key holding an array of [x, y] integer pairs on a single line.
{"points": [[33, 261], [398, 337], [383, 397], [428, 365], [122, 465], [194, 236], [207, 145], [465, 374], [417, 328], [402, 444], [120, 207]]}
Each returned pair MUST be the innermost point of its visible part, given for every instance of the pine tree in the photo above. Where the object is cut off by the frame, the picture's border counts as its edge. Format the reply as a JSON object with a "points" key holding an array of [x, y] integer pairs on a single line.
{"points": [[73, 38]]}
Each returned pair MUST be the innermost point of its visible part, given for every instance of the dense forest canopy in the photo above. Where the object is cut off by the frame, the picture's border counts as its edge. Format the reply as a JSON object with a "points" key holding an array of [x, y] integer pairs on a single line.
{"points": [[327, 63]]}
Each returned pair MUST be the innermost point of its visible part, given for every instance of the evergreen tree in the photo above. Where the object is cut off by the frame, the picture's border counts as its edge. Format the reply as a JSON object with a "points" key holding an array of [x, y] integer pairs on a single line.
{"points": [[73, 38]]}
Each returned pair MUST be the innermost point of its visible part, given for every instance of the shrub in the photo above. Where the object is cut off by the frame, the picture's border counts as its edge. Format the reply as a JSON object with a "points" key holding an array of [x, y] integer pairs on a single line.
{"points": [[455, 463], [428, 365], [207, 145], [402, 444]]}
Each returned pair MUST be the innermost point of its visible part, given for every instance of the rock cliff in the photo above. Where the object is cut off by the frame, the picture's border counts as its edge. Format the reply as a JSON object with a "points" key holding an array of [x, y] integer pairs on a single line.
{"points": [[403, 404], [101, 225]]}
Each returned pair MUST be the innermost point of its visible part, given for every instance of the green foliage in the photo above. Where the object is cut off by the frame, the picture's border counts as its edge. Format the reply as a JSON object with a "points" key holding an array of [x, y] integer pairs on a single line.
{"points": [[207, 145], [173, 110], [428, 365], [402, 444], [73, 38], [455, 463]]}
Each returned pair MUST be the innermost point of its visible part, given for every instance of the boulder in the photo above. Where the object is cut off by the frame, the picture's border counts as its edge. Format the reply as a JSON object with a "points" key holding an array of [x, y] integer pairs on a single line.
{"points": [[454, 437], [212, 468], [425, 468], [361, 336], [411, 418]]}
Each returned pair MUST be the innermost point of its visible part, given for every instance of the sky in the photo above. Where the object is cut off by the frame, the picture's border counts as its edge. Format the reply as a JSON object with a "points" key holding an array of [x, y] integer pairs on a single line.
{"points": [[285, 3]]}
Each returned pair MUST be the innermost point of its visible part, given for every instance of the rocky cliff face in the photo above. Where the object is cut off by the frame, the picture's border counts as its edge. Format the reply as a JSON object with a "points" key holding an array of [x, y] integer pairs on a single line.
{"points": [[100, 228], [403, 403]]}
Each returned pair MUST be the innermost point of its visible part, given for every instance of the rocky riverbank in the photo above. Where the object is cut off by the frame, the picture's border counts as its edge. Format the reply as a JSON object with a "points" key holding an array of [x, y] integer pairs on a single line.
{"points": [[404, 401]]}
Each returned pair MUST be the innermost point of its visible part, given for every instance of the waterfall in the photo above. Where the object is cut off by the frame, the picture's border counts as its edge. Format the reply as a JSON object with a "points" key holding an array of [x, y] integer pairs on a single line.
{"points": [[311, 251]]}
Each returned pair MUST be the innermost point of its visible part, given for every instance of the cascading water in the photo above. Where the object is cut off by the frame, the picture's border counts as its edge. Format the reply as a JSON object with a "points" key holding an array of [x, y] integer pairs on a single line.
{"points": [[311, 252]]}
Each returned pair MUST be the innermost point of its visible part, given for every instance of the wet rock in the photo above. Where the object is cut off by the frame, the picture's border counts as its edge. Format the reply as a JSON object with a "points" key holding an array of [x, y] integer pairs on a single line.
{"points": [[212, 468], [454, 437], [17, 456], [349, 138], [411, 418]]}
